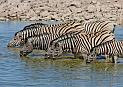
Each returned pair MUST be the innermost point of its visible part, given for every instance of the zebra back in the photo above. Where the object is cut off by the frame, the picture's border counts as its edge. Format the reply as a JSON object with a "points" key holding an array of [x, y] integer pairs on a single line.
{"points": [[96, 26], [51, 29]]}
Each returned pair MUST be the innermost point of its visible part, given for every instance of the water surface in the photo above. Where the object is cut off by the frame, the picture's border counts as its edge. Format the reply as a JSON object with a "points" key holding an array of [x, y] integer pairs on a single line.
{"points": [[31, 72]]}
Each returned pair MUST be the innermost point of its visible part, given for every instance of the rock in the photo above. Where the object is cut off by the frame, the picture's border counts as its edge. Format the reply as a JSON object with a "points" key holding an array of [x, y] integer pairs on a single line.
{"points": [[105, 8], [88, 16], [112, 19], [118, 6], [98, 15], [52, 17], [31, 13], [94, 1], [107, 15], [108, 1], [13, 1], [34, 18], [116, 0], [76, 4], [44, 13], [3, 1], [91, 9]]}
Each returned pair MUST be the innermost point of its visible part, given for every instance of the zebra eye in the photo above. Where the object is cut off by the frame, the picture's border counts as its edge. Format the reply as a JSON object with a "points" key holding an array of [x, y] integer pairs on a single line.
{"points": [[14, 38]]}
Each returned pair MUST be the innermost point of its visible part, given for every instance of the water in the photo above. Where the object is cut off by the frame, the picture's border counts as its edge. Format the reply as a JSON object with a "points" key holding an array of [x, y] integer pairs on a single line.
{"points": [[31, 72]]}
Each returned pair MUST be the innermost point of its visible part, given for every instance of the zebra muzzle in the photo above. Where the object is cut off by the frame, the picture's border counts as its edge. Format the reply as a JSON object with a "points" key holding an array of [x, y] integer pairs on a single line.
{"points": [[22, 53]]}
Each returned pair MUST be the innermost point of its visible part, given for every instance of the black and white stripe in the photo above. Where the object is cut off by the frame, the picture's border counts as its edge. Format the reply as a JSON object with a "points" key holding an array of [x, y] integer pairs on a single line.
{"points": [[58, 29], [111, 48], [96, 26], [40, 42], [79, 43]]}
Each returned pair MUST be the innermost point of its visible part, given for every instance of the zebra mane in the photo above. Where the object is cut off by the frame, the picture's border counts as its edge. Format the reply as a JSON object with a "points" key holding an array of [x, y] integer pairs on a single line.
{"points": [[34, 25]]}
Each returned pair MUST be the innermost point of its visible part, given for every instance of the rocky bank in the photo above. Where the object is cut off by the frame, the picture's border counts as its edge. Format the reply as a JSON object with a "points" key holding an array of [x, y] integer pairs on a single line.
{"points": [[62, 10]]}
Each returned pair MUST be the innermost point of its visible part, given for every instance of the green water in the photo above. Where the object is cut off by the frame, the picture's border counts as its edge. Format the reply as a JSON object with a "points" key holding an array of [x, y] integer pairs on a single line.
{"points": [[32, 72]]}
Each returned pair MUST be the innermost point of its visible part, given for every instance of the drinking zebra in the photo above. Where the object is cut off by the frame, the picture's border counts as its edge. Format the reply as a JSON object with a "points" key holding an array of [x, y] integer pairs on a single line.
{"points": [[72, 42], [111, 48], [58, 29], [78, 43], [40, 42]]}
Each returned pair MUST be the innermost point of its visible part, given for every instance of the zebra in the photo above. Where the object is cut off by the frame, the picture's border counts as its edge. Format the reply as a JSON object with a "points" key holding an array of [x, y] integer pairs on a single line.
{"points": [[111, 48], [58, 29], [39, 42], [42, 42], [89, 27], [73, 42], [78, 43]]}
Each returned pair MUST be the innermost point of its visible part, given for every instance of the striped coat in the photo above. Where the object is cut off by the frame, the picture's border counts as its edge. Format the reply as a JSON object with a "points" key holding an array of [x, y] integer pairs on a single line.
{"points": [[79, 43], [59, 29], [111, 48]]}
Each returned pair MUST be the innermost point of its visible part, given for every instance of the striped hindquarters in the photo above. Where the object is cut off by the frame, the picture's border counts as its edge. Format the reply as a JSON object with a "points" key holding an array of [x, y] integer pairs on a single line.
{"points": [[110, 48]]}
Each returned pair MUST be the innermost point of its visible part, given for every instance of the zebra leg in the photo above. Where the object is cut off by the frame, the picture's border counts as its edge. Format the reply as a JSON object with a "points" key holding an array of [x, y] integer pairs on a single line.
{"points": [[85, 57], [107, 58], [58, 51], [50, 53], [114, 59], [89, 58], [93, 55]]}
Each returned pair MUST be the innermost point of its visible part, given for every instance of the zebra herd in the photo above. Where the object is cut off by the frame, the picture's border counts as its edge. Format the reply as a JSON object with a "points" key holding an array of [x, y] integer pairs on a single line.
{"points": [[86, 39]]}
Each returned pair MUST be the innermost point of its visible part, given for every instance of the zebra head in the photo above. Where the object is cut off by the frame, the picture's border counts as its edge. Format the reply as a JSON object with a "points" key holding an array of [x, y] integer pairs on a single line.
{"points": [[16, 41], [27, 48]]}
